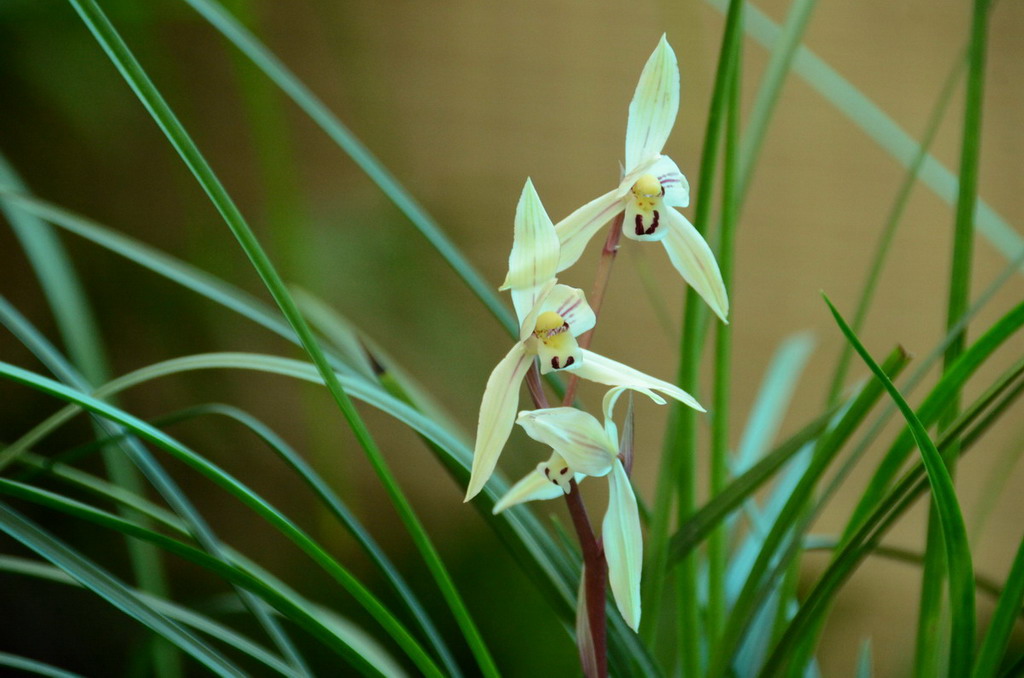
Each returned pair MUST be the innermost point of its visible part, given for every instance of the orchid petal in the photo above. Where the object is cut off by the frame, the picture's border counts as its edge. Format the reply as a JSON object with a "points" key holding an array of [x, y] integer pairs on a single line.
{"points": [[597, 368], [497, 415], [534, 256], [576, 230], [694, 260], [533, 487], [529, 323], [677, 188], [575, 435], [571, 304], [652, 112], [623, 545]]}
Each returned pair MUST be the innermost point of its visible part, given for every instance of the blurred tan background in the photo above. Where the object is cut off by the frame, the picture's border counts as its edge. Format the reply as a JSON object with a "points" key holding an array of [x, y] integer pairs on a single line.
{"points": [[462, 101]]}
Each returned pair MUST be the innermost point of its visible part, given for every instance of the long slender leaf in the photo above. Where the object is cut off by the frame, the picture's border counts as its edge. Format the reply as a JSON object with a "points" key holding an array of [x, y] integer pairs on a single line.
{"points": [[880, 127], [267, 62], [758, 585], [243, 493], [954, 532], [269, 590], [179, 613], [135, 76], [111, 589], [134, 452]]}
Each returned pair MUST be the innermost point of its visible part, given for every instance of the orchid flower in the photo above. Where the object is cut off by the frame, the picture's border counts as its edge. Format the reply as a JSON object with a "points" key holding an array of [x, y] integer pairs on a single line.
{"points": [[651, 188], [583, 447], [550, 316]]}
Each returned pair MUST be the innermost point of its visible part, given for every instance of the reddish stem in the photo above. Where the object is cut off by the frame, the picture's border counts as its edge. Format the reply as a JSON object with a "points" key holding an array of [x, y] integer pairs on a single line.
{"points": [[595, 566], [604, 271], [595, 571]]}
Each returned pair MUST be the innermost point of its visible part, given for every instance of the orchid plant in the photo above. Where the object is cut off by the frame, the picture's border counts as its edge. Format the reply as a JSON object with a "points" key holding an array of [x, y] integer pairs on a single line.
{"points": [[552, 319]]}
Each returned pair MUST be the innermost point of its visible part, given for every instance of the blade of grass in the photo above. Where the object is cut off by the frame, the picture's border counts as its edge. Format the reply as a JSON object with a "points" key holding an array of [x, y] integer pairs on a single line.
{"points": [[880, 127], [34, 666], [951, 381], [1001, 625], [135, 76], [338, 509], [678, 470], [954, 533], [227, 482], [77, 325], [758, 586], [272, 591], [856, 547], [178, 613], [110, 589], [718, 548], [267, 62], [135, 453], [893, 221], [930, 651], [783, 49]]}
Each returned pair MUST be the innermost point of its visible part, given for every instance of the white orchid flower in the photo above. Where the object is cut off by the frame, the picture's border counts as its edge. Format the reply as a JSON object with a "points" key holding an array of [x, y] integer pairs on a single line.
{"points": [[651, 188], [582, 447], [550, 316]]}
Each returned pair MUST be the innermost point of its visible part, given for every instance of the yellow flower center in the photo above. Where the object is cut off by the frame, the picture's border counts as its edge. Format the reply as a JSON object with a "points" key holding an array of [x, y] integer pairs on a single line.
{"points": [[647, 191], [647, 194], [557, 342]]}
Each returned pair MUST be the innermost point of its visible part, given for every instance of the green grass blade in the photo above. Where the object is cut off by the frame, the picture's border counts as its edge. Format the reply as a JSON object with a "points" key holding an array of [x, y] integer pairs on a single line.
{"points": [[864, 542], [731, 499], [893, 221], [267, 588], [783, 50], [110, 589], [758, 585], [932, 406], [341, 513], [32, 666], [227, 482], [930, 653], [178, 613], [245, 41], [677, 475], [772, 400], [880, 127], [954, 532], [135, 76], [131, 451], [77, 325], [718, 546]]}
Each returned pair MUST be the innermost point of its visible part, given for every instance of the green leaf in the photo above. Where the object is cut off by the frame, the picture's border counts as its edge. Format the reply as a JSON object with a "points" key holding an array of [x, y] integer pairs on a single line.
{"points": [[169, 609], [135, 76], [243, 493], [111, 589], [267, 62], [880, 127], [958, 554]]}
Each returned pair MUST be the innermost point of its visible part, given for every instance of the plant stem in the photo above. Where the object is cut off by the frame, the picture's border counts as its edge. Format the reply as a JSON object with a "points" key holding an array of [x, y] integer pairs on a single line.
{"points": [[604, 271], [595, 570]]}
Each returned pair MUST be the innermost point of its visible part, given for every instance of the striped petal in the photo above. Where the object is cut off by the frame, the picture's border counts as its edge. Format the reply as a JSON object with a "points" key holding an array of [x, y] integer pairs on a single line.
{"points": [[497, 415], [672, 180], [534, 256], [576, 230], [694, 260], [575, 435], [652, 112], [533, 487], [571, 304], [597, 368], [623, 545]]}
